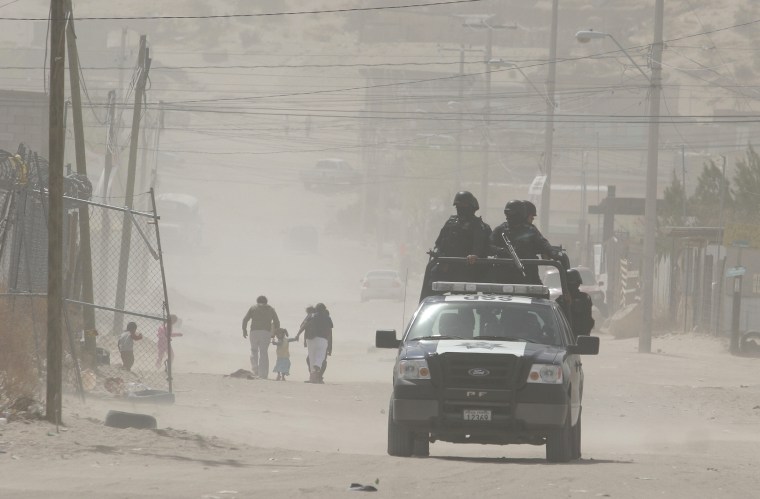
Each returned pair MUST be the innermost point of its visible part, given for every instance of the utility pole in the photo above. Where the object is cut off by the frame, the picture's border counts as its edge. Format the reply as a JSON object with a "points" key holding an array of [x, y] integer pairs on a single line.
{"points": [[650, 203], [122, 59], [549, 130], [458, 167], [720, 268], [683, 180], [153, 181], [487, 131], [110, 143], [143, 63], [584, 209], [460, 106], [88, 313], [481, 22], [55, 212]]}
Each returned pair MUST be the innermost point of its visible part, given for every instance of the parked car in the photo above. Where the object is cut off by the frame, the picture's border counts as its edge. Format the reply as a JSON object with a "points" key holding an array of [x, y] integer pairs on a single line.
{"points": [[180, 224], [381, 284], [590, 286], [487, 364], [330, 172]]}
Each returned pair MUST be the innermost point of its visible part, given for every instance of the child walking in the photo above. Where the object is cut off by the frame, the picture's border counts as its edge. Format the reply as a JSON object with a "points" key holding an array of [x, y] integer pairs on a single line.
{"points": [[281, 340]]}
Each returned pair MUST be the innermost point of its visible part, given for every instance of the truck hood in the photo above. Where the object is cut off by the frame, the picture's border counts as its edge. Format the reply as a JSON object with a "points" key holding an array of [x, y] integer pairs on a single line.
{"points": [[536, 352]]}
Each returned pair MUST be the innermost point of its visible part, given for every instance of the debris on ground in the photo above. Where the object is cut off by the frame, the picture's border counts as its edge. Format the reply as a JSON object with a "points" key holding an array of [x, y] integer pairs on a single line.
{"points": [[242, 374]]}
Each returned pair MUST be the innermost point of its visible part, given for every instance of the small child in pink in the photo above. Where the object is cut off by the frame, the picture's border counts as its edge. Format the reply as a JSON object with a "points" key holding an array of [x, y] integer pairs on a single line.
{"points": [[163, 341]]}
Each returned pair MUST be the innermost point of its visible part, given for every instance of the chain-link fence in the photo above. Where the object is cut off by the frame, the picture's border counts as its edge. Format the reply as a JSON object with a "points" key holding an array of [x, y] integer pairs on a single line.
{"points": [[127, 287], [127, 281]]}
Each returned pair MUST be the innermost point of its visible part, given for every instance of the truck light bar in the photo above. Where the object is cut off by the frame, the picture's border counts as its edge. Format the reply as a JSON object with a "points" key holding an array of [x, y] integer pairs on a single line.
{"points": [[535, 290]]}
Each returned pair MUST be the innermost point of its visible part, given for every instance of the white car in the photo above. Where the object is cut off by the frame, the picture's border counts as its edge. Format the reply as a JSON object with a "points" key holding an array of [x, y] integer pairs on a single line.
{"points": [[381, 284]]}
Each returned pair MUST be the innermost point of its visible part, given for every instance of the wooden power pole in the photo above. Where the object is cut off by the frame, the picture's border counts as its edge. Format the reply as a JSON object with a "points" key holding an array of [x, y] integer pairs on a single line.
{"points": [[55, 213], [143, 64], [88, 314]]}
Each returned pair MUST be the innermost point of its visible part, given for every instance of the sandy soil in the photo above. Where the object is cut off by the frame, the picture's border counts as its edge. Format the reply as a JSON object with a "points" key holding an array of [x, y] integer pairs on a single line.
{"points": [[682, 422]]}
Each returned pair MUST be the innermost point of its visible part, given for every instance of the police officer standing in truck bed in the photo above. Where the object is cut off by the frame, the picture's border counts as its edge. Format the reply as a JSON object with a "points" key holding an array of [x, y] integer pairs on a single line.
{"points": [[463, 235]]}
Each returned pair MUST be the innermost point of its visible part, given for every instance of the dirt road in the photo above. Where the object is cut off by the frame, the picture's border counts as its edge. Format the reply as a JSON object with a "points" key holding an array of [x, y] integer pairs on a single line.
{"points": [[682, 422]]}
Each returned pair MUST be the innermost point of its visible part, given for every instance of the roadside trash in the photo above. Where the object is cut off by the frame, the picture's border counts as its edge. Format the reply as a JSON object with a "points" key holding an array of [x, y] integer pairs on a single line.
{"points": [[242, 374], [114, 385], [151, 396], [89, 380], [362, 488]]}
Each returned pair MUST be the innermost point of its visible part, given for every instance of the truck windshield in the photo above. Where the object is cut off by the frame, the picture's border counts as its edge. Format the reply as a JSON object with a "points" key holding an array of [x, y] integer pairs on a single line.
{"points": [[487, 320]]}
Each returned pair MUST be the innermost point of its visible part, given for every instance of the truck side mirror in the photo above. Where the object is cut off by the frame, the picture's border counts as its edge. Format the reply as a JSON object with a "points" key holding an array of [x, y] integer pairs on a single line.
{"points": [[386, 338], [585, 345]]}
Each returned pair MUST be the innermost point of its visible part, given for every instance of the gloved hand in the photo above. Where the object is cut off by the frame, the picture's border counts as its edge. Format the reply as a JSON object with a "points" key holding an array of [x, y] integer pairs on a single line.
{"points": [[245, 334]]}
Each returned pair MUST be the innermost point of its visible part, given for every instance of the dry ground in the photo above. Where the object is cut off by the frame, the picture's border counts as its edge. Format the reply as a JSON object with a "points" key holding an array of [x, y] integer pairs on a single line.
{"points": [[682, 422]]}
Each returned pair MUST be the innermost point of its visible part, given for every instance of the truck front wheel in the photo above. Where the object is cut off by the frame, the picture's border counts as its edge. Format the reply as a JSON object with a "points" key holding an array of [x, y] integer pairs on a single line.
{"points": [[400, 439], [559, 442]]}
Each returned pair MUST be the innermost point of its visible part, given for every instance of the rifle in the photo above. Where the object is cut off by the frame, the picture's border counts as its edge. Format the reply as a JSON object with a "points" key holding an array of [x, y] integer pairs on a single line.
{"points": [[513, 253]]}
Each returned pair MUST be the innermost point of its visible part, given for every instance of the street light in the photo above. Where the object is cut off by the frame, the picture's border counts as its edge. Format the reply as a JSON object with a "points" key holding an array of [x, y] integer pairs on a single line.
{"points": [[585, 36], [501, 63], [650, 202]]}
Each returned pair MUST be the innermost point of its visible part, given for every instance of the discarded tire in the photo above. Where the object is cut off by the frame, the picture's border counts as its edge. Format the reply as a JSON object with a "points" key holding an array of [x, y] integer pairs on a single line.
{"points": [[151, 397], [119, 419]]}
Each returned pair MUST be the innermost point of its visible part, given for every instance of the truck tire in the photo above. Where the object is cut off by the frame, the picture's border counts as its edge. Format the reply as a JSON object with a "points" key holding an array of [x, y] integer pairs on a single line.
{"points": [[421, 445], [400, 440], [577, 439], [119, 419], [559, 442]]}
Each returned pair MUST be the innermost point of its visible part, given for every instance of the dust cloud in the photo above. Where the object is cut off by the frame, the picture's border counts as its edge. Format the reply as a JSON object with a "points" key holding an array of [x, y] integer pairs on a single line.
{"points": [[252, 104]]}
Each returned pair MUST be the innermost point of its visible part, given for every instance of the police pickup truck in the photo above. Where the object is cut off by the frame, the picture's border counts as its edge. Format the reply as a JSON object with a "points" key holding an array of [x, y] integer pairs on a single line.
{"points": [[489, 364]]}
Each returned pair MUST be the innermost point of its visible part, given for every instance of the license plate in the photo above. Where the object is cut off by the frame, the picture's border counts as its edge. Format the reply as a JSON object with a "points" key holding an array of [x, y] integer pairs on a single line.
{"points": [[477, 415]]}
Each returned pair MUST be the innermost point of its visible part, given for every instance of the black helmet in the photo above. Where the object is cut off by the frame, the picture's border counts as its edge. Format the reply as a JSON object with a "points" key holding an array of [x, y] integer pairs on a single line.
{"points": [[574, 278], [466, 197], [530, 208], [515, 209]]}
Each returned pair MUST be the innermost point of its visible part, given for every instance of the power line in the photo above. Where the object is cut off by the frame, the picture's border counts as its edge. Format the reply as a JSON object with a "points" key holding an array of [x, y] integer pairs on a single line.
{"points": [[8, 3], [263, 14], [456, 76]]}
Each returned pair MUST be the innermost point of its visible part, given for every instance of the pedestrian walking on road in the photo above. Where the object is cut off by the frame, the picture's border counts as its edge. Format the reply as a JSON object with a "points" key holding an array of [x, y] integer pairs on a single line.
{"points": [[264, 322], [318, 334], [309, 314]]}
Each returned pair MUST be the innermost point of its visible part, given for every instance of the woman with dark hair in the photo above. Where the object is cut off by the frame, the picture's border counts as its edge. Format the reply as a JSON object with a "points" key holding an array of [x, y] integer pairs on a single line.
{"points": [[318, 333]]}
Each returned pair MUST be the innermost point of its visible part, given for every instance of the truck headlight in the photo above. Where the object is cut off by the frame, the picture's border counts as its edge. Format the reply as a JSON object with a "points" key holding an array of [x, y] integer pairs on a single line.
{"points": [[545, 373], [413, 369]]}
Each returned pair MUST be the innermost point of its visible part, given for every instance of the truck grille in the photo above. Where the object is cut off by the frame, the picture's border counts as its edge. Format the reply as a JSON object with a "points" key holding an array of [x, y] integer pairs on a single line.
{"points": [[463, 370]]}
